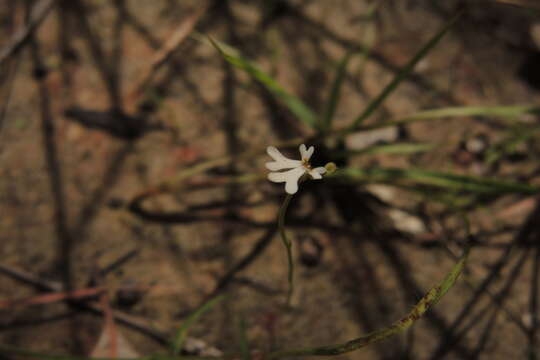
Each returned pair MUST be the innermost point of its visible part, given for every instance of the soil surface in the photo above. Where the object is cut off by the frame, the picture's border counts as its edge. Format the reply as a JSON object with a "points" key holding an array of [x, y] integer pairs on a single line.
{"points": [[100, 107]]}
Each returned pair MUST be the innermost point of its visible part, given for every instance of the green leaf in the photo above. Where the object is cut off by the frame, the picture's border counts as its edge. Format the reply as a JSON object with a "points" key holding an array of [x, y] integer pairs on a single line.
{"points": [[182, 331], [448, 181], [293, 103], [429, 300], [400, 76]]}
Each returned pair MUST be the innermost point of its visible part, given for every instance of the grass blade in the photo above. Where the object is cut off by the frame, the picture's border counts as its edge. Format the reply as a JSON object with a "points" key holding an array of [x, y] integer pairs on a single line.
{"points": [[182, 331], [403, 73], [497, 111], [293, 103], [428, 301], [403, 148], [244, 344], [458, 111], [335, 92], [443, 180]]}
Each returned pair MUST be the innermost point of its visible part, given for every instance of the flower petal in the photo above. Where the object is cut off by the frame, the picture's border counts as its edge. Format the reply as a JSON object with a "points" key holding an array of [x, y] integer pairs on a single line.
{"points": [[317, 172], [282, 165], [290, 178], [306, 154], [291, 186], [274, 153], [280, 162]]}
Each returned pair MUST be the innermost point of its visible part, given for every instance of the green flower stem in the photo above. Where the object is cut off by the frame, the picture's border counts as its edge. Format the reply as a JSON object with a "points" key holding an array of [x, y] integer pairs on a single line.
{"points": [[287, 243]]}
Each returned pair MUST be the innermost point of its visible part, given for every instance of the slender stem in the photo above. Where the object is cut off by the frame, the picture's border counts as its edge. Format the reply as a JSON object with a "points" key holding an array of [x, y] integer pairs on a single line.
{"points": [[287, 243]]}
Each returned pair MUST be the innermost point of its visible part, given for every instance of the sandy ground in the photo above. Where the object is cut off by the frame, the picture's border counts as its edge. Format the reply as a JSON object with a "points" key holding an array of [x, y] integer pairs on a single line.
{"points": [[375, 250]]}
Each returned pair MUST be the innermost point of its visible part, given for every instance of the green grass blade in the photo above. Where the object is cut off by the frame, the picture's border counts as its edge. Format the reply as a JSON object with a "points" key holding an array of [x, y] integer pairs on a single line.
{"points": [[408, 69], [293, 103], [449, 181], [335, 92], [458, 111], [509, 143], [428, 301], [397, 149], [244, 343], [181, 335]]}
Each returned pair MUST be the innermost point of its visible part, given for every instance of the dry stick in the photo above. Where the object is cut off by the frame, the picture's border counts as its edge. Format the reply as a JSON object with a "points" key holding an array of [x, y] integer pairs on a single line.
{"points": [[20, 38], [167, 50], [97, 53], [110, 324], [527, 231], [54, 297], [444, 348], [122, 318], [54, 168], [9, 81], [471, 282], [533, 306]]}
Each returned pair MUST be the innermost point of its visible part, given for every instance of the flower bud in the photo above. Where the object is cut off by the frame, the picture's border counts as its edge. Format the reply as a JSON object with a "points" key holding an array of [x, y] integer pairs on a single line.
{"points": [[330, 168]]}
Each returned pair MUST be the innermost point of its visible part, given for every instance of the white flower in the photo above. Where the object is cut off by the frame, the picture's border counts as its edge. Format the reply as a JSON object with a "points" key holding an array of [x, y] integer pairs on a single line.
{"points": [[294, 168]]}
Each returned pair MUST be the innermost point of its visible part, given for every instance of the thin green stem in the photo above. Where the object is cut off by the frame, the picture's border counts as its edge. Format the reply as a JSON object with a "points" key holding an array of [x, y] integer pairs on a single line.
{"points": [[287, 243]]}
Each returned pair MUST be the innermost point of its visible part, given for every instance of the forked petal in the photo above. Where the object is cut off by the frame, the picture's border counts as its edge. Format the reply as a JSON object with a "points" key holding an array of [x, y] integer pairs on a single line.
{"points": [[306, 153]]}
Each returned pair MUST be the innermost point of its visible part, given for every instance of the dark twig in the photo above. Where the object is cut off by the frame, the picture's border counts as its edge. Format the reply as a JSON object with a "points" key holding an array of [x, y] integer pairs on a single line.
{"points": [[533, 306], [20, 38], [54, 168], [130, 321]]}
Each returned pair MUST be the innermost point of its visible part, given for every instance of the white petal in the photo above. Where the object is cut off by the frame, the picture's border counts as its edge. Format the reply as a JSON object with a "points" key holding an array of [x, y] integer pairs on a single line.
{"points": [[303, 150], [291, 186], [290, 178], [317, 172], [276, 177], [282, 165], [280, 161], [306, 154], [283, 176], [275, 154]]}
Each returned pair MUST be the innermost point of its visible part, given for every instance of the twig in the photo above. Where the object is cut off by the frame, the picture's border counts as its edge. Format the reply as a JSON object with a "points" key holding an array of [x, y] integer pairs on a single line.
{"points": [[122, 318], [21, 36], [170, 46], [54, 297], [52, 158]]}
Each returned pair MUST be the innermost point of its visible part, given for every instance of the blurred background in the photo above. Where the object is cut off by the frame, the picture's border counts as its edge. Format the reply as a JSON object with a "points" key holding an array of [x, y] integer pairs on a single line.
{"points": [[133, 187]]}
